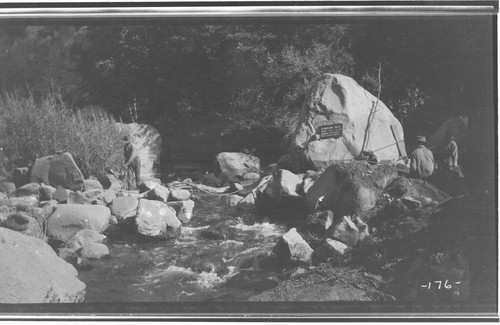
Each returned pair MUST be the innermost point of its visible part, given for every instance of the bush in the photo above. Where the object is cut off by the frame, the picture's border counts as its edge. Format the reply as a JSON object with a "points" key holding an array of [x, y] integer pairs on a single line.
{"points": [[31, 129]]}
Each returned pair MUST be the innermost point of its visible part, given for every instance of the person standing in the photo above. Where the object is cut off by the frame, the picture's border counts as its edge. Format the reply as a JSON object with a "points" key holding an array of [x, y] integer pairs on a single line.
{"points": [[132, 163], [450, 157], [421, 160]]}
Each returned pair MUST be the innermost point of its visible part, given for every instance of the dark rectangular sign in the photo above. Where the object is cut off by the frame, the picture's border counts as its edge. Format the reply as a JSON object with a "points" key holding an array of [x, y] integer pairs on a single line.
{"points": [[330, 131]]}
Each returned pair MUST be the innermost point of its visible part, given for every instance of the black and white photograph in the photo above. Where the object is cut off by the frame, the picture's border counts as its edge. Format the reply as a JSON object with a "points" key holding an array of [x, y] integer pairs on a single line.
{"points": [[310, 160]]}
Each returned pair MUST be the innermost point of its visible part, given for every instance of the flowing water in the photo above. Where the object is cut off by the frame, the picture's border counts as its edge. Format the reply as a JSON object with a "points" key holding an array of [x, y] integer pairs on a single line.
{"points": [[161, 271]]}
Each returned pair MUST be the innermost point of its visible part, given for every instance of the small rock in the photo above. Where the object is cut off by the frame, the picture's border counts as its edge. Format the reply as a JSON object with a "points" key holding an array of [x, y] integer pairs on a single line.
{"points": [[77, 198], [184, 209], [292, 246], [94, 251], [179, 195], [83, 238], [46, 192], [159, 193], [147, 186], [331, 250], [60, 195], [247, 203], [7, 187], [31, 189], [251, 176], [307, 183], [113, 221], [91, 184], [110, 182], [411, 202], [345, 231], [235, 187]]}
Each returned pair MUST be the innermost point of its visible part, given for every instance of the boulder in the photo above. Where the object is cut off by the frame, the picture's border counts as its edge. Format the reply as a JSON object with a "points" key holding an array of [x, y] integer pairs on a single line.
{"points": [[91, 184], [184, 209], [31, 272], [31, 189], [148, 142], [68, 219], [349, 188], [78, 198], [331, 250], [337, 99], [234, 164], [179, 195], [94, 251], [283, 184], [3, 196], [159, 193], [83, 238], [46, 192], [58, 170], [20, 176], [156, 219], [292, 246], [345, 231], [110, 182], [124, 208], [7, 187]]}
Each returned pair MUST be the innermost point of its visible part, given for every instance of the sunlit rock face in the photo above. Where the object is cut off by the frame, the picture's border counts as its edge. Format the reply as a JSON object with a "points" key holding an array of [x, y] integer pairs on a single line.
{"points": [[339, 100]]}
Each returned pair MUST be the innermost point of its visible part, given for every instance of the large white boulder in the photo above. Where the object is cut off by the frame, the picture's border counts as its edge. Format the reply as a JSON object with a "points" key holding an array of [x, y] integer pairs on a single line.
{"points": [[58, 170], [337, 99], [68, 219], [234, 164], [148, 142], [31, 272]]}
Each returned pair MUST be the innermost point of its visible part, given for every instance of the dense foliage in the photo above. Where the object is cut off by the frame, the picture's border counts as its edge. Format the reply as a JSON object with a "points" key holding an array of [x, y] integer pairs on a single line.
{"points": [[31, 129], [236, 78]]}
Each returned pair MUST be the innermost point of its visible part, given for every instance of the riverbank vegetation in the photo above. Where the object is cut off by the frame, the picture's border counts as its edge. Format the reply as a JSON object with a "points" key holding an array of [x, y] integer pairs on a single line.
{"points": [[243, 83]]}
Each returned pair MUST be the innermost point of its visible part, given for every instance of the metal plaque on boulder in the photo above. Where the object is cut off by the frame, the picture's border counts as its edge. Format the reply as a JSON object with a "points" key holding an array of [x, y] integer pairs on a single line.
{"points": [[330, 131]]}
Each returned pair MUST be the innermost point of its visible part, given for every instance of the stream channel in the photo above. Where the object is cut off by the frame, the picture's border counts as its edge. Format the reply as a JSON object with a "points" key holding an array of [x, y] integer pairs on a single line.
{"points": [[161, 270]]}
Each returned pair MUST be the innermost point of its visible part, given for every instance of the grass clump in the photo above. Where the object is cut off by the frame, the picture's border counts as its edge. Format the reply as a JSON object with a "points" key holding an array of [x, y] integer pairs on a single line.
{"points": [[30, 129]]}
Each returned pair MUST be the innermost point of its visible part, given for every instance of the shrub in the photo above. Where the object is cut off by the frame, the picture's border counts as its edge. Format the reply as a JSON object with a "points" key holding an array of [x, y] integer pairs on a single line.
{"points": [[31, 129]]}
